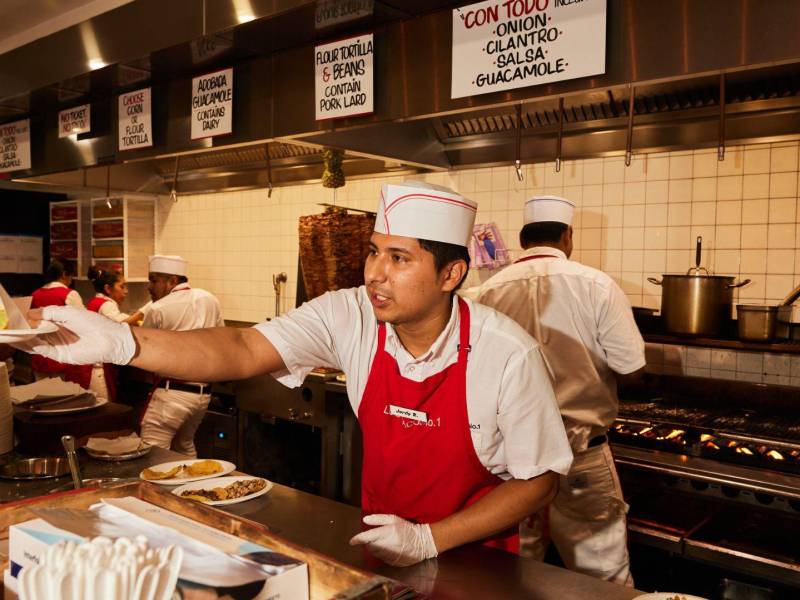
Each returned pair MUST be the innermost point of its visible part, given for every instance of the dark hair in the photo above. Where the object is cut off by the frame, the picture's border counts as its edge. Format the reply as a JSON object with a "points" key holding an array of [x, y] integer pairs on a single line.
{"points": [[100, 278], [59, 267], [548, 232], [444, 254], [182, 279]]}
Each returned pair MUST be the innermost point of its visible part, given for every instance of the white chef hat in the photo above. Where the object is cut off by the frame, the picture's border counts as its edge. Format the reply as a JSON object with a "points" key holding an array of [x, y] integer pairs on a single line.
{"points": [[426, 212], [548, 208], [168, 264]]}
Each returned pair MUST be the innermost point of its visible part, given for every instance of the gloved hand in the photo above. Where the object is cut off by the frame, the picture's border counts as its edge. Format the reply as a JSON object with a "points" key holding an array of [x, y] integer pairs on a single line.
{"points": [[396, 541], [83, 338]]}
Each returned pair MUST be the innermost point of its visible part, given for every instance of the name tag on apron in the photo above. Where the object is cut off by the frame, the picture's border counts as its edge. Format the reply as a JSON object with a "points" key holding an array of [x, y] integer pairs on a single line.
{"points": [[407, 413]]}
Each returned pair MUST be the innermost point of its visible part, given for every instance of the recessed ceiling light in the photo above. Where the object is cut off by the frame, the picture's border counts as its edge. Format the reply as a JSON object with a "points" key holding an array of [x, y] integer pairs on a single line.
{"points": [[245, 17], [96, 63]]}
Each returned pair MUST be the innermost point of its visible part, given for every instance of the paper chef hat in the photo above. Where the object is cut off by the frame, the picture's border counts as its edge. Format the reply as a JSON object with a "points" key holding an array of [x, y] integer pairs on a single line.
{"points": [[171, 265], [424, 211], [548, 208]]}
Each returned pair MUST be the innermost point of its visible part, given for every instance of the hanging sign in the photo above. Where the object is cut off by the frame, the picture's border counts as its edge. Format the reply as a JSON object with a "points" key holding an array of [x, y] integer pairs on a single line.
{"points": [[212, 104], [74, 120], [507, 44], [334, 12], [135, 120], [343, 78], [15, 145]]}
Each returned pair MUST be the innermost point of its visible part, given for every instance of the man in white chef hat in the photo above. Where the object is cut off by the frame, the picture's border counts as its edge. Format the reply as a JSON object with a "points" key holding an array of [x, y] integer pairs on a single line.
{"points": [[462, 435], [585, 326], [176, 407]]}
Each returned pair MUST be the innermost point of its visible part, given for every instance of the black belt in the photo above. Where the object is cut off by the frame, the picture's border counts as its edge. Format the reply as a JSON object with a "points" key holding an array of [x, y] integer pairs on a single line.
{"points": [[598, 440], [195, 388]]}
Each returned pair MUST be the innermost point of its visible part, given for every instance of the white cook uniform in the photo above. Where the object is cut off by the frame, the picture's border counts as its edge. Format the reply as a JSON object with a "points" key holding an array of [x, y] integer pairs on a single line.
{"points": [[513, 417], [585, 326], [173, 416]]}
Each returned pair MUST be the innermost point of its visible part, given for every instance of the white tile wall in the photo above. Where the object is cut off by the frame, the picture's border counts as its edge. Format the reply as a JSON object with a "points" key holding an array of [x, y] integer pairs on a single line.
{"points": [[632, 222]]}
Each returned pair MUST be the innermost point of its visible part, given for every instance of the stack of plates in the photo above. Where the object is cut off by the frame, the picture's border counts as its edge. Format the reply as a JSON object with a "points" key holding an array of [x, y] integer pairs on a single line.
{"points": [[54, 397], [6, 418]]}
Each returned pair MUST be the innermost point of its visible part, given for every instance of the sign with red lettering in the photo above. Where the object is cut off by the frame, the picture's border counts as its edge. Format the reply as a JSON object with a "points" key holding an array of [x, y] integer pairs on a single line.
{"points": [[212, 104], [343, 78], [15, 146], [508, 44], [74, 120], [135, 120]]}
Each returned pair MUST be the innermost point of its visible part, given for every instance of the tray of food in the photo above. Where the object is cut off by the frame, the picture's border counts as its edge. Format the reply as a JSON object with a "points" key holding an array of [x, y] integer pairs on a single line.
{"points": [[224, 490], [183, 471]]}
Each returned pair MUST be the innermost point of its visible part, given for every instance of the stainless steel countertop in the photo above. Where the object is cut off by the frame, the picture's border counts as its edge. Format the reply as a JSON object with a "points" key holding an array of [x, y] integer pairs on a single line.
{"points": [[326, 526]]}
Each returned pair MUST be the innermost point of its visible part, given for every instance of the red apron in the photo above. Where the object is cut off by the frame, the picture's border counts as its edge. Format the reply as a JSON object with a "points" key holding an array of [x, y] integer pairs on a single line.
{"points": [[422, 470], [83, 373], [53, 296]]}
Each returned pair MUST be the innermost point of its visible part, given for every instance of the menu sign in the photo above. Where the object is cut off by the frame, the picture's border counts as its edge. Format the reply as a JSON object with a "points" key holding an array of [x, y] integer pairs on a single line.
{"points": [[74, 120], [212, 104], [135, 120], [344, 77], [334, 12], [507, 44], [15, 145]]}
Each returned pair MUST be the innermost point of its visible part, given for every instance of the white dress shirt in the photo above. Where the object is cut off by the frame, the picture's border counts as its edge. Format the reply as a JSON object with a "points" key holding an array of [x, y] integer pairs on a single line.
{"points": [[110, 309], [72, 299], [184, 308], [585, 326], [513, 417]]}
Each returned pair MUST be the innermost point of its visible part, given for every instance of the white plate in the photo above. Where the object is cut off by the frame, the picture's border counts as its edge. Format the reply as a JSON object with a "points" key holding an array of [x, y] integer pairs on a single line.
{"points": [[10, 336], [668, 596], [65, 411], [222, 482], [142, 451], [227, 467]]}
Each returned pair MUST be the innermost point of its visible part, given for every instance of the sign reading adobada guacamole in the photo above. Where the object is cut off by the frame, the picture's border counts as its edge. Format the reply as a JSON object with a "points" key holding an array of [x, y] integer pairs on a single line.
{"points": [[507, 44]]}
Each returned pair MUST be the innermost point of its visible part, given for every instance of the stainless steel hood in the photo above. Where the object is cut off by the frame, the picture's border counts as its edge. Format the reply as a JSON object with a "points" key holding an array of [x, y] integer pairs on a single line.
{"points": [[671, 52]]}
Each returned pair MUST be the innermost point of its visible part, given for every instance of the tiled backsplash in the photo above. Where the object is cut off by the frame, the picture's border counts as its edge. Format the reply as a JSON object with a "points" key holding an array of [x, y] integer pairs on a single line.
{"points": [[632, 222]]}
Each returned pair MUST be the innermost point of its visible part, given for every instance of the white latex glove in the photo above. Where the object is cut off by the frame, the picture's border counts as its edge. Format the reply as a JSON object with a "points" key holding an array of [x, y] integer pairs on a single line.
{"points": [[84, 337], [396, 541]]}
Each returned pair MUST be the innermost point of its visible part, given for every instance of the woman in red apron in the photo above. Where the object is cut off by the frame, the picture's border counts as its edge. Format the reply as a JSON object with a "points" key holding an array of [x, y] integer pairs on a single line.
{"points": [[111, 290], [56, 292]]}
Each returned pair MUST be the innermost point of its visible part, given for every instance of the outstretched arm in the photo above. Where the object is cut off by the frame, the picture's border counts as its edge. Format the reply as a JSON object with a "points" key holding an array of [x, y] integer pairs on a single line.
{"points": [[85, 337], [215, 354]]}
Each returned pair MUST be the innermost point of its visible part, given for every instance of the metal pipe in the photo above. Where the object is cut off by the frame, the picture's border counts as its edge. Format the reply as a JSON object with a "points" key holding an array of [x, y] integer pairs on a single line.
{"points": [[629, 141], [174, 193], [518, 161], [108, 186], [269, 172], [560, 133], [721, 146]]}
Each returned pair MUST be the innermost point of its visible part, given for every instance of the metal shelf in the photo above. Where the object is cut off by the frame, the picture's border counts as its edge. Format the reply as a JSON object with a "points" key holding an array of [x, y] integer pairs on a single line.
{"points": [[727, 344], [101, 219]]}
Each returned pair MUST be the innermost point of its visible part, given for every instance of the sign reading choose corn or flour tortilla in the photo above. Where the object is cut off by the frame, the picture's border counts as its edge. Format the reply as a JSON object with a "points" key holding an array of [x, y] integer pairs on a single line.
{"points": [[135, 120], [507, 44]]}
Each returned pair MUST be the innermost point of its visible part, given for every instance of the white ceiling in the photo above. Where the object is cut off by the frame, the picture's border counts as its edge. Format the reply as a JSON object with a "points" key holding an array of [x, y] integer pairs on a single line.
{"points": [[23, 21]]}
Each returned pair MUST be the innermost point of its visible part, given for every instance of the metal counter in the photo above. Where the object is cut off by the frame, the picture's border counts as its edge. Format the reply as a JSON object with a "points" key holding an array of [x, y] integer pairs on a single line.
{"points": [[326, 526]]}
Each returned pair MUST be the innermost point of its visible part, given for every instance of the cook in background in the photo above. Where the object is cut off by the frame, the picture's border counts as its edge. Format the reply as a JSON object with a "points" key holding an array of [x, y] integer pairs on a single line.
{"points": [[177, 406], [585, 326], [56, 292], [462, 436], [111, 290]]}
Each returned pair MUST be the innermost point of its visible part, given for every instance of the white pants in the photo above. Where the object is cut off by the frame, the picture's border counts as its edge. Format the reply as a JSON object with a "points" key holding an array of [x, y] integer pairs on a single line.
{"points": [[172, 418], [97, 383], [586, 520]]}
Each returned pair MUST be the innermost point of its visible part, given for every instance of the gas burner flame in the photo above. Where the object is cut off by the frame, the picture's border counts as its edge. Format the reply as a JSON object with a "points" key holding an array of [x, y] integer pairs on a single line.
{"points": [[706, 437], [744, 450], [775, 455], [675, 433]]}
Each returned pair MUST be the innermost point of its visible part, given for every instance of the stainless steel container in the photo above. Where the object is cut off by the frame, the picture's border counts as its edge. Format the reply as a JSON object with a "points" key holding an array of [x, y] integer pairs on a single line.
{"points": [[696, 303], [756, 322], [35, 468]]}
